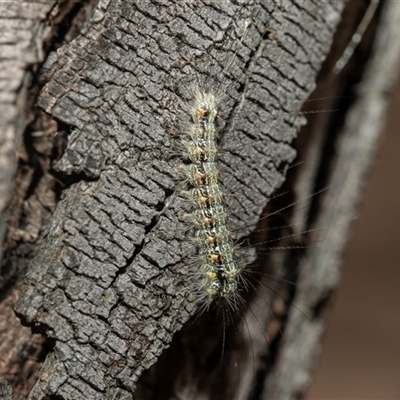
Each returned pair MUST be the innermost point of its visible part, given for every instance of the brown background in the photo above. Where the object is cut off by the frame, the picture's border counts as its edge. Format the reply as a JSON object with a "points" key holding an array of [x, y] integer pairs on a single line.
{"points": [[361, 350]]}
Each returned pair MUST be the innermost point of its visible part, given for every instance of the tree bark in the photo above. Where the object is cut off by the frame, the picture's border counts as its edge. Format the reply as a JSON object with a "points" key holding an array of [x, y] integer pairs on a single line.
{"points": [[99, 229]]}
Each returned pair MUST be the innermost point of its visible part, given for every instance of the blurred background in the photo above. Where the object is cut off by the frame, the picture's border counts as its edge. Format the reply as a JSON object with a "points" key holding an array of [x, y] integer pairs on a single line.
{"points": [[361, 349]]}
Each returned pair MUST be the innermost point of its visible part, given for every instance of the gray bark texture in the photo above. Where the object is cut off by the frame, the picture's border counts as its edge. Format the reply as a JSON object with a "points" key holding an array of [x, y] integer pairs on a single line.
{"points": [[92, 215]]}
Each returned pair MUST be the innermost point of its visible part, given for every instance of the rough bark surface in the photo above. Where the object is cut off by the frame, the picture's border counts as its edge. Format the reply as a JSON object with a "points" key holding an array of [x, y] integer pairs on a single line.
{"points": [[110, 282], [23, 29], [28, 188]]}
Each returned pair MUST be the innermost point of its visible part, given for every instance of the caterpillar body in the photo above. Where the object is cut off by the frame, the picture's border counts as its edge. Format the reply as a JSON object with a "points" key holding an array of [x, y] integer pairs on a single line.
{"points": [[219, 270]]}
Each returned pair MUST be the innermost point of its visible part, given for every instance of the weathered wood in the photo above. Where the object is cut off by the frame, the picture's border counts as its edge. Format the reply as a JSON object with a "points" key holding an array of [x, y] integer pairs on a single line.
{"points": [[23, 31], [356, 148], [28, 193], [106, 282], [110, 282]]}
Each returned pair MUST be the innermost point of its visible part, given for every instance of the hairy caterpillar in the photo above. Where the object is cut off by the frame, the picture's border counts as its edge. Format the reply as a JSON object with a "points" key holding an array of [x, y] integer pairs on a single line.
{"points": [[219, 271]]}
